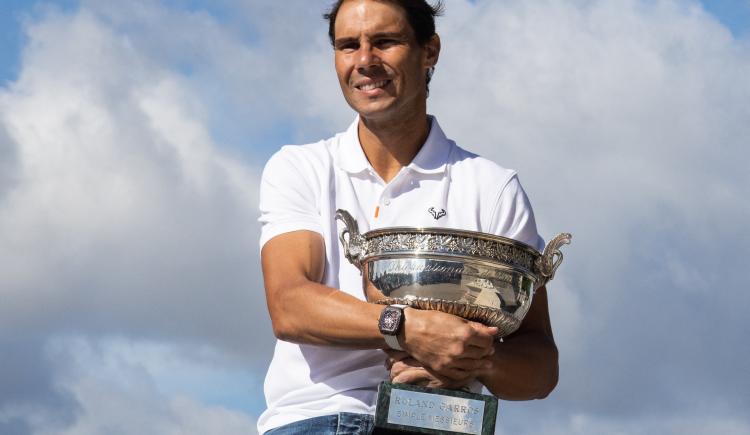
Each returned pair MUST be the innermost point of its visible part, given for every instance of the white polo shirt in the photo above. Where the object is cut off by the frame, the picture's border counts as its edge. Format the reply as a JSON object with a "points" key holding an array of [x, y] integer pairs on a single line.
{"points": [[301, 189]]}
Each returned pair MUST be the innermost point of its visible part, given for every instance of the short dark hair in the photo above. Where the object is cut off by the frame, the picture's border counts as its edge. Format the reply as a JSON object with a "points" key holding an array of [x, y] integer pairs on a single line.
{"points": [[419, 13]]}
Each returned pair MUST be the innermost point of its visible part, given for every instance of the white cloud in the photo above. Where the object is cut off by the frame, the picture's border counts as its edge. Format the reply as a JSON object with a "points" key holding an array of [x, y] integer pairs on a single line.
{"points": [[129, 152], [627, 121], [580, 424], [262, 68], [122, 216], [115, 385], [122, 198]]}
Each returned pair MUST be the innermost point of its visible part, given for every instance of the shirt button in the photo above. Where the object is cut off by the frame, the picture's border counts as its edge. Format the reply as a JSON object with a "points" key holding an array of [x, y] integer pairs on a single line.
{"points": [[387, 202]]}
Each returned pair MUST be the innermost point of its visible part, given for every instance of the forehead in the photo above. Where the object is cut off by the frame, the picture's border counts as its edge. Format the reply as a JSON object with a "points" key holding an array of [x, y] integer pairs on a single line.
{"points": [[357, 17]]}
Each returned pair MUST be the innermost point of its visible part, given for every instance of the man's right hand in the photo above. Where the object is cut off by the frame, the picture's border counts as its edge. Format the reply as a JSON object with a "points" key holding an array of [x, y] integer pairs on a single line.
{"points": [[447, 344]]}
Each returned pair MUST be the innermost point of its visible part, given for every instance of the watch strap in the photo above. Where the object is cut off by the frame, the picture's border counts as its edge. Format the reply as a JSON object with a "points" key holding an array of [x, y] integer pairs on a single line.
{"points": [[392, 342]]}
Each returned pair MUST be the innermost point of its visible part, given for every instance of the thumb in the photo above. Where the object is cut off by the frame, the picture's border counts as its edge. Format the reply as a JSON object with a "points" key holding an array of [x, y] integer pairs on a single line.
{"points": [[484, 329]]}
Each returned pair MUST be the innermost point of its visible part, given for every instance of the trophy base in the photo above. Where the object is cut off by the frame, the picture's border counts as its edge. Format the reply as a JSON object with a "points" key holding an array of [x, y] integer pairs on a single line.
{"points": [[409, 409]]}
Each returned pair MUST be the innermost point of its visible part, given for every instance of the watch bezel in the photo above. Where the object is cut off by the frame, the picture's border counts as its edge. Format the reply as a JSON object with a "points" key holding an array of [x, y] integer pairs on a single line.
{"points": [[386, 328]]}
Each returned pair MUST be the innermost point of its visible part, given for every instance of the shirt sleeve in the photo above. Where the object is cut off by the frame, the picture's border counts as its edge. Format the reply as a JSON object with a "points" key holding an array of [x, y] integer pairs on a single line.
{"points": [[288, 195], [513, 216]]}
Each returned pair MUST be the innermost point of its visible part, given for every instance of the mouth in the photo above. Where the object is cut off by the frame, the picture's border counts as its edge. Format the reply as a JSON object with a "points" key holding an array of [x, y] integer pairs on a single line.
{"points": [[372, 85]]}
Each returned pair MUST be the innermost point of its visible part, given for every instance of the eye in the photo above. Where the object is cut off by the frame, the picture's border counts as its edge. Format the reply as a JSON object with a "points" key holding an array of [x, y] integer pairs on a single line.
{"points": [[385, 43], [347, 46]]}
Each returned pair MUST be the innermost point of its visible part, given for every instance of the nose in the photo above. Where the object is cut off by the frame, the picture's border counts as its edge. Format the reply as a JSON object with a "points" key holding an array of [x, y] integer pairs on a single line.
{"points": [[367, 57]]}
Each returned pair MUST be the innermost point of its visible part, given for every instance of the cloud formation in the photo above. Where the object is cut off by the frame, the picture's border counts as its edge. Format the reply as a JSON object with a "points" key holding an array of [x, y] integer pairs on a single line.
{"points": [[131, 143], [116, 386], [627, 121], [119, 216]]}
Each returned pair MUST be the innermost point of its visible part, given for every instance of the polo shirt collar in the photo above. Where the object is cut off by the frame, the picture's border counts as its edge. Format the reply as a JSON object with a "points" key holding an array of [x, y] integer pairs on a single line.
{"points": [[351, 157], [431, 158]]}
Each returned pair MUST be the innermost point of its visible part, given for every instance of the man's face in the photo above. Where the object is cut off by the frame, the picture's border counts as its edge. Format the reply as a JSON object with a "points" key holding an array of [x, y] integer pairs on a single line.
{"points": [[380, 66]]}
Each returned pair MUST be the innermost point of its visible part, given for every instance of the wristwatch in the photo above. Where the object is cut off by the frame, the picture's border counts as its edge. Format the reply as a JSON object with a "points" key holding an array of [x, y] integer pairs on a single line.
{"points": [[391, 322]]}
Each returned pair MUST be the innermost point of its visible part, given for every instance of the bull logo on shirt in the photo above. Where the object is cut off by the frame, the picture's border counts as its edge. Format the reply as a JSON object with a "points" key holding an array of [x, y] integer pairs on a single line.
{"points": [[436, 214]]}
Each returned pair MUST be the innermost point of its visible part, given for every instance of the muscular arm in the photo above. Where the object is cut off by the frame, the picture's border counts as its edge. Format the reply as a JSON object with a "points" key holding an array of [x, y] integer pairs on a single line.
{"points": [[305, 311], [524, 365]]}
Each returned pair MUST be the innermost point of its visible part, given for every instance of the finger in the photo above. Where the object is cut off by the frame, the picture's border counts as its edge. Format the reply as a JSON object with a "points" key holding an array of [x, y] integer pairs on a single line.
{"points": [[414, 376], [483, 335], [484, 328], [402, 364], [408, 375], [448, 373], [417, 377], [477, 352], [394, 357], [410, 362], [458, 379], [406, 364]]}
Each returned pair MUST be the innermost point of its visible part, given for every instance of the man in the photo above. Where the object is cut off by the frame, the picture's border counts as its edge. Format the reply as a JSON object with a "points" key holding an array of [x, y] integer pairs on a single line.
{"points": [[389, 168]]}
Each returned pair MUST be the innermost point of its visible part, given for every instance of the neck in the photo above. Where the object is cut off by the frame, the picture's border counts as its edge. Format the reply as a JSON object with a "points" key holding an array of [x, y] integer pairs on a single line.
{"points": [[391, 145]]}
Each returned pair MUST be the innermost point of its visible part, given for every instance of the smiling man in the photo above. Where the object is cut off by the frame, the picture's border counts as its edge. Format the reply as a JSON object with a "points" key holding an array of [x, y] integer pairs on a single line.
{"points": [[393, 166]]}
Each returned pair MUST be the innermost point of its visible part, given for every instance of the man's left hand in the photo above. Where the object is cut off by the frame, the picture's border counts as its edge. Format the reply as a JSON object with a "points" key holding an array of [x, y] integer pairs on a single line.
{"points": [[407, 370]]}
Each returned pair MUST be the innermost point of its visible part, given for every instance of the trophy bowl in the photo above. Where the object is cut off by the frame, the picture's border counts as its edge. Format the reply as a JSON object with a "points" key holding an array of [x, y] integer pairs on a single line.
{"points": [[477, 276]]}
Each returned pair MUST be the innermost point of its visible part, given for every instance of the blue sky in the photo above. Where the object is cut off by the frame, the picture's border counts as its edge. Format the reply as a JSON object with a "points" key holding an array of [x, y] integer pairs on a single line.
{"points": [[735, 14], [133, 135]]}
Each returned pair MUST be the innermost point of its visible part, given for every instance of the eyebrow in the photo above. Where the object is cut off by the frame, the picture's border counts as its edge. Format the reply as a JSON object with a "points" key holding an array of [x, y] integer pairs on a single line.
{"points": [[346, 40]]}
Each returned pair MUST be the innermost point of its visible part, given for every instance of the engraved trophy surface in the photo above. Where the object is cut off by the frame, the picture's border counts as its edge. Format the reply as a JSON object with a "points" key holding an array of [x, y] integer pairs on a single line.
{"points": [[477, 276]]}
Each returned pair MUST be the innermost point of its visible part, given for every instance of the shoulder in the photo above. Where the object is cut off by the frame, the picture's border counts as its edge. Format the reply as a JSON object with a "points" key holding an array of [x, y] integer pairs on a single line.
{"points": [[503, 204], [490, 176], [295, 156], [297, 173], [302, 163], [293, 188]]}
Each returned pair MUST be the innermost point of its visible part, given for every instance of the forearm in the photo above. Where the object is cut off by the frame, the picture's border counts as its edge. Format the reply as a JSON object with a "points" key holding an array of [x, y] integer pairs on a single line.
{"points": [[524, 367], [311, 313], [305, 311]]}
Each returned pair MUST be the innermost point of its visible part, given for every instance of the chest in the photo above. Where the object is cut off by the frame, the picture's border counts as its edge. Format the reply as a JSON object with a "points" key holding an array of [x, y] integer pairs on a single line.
{"points": [[410, 200]]}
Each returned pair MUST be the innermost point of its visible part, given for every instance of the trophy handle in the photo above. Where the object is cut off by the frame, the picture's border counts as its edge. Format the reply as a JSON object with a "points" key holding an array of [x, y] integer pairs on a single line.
{"points": [[550, 260], [351, 240]]}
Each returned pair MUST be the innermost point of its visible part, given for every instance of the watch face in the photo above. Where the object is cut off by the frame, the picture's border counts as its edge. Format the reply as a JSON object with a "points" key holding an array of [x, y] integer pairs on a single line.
{"points": [[390, 320]]}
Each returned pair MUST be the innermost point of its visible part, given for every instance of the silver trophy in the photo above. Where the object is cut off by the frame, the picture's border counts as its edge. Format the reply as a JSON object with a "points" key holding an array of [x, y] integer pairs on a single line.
{"points": [[477, 276]]}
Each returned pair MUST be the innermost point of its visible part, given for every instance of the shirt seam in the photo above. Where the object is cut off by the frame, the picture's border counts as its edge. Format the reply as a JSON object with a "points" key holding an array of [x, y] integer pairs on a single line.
{"points": [[498, 197]]}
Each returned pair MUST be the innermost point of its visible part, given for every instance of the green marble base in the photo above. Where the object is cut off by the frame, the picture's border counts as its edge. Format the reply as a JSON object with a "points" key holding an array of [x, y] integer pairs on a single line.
{"points": [[409, 409]]}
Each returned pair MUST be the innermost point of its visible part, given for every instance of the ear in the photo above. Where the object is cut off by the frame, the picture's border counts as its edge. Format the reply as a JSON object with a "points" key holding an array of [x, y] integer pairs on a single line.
{"points": [[432, 51]]}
